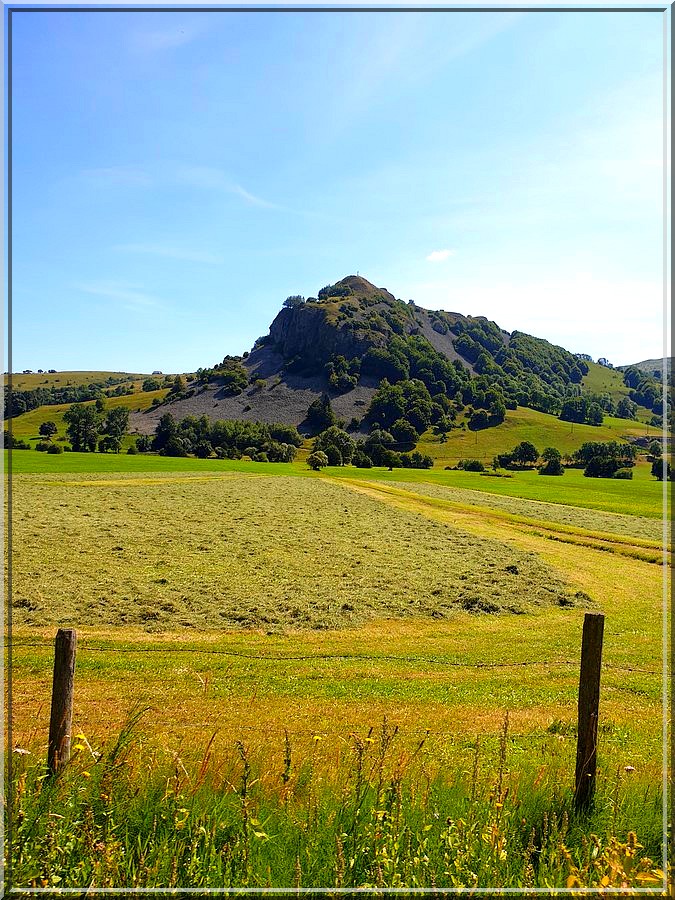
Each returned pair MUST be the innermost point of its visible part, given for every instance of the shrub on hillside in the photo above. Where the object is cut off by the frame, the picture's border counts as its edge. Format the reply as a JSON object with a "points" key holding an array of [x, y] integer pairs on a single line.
{"points": [[55, 448], [320, 414], [623, 474]]}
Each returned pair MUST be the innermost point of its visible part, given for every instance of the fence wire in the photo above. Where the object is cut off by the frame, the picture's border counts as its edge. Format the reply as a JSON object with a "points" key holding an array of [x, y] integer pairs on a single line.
{"points": [[318, 657]]}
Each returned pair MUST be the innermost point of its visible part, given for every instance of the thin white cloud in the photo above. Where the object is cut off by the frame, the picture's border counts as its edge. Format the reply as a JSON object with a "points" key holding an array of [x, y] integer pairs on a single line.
{"points": [[171, 252], [120, 292], [439, 255], [214, 179]]}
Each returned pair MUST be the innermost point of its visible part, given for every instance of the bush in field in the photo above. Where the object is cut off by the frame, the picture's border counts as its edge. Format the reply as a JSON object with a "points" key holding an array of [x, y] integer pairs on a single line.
{"points": [[55, 448], [317, 460], [471, 465], [479, 420], [390, 459], [143, 443], [552, 462], [43, 446], [602, 467], [132, 451], [623, 474]]}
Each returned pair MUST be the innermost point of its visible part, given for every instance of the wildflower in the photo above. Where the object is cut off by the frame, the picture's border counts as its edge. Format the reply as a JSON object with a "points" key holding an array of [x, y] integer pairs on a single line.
{"points": [[629, 768], [317, 738], [86, 774]]}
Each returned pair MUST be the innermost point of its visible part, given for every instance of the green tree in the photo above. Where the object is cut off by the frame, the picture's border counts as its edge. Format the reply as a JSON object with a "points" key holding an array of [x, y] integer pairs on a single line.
{"points": [[178, 385], [552, 462], [166, 430], [293, 301], [320, 414], [83, 423], [115, 427], [659, 467], [404, 434], [317, 460], [47, 429], [525, 452], [340, 440], [626, 409]]}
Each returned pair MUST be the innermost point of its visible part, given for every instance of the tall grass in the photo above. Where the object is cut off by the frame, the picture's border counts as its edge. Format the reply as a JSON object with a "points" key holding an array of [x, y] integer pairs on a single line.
{"points": [[383, 817]]}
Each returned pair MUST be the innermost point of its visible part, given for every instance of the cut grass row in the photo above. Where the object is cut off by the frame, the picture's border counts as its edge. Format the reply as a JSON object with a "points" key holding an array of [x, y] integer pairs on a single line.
{"points": [[643, 496]]}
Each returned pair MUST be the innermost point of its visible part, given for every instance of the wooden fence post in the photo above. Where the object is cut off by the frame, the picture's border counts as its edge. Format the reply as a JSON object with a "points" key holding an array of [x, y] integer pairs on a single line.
{"points": [[589, 701], [60, 721]]}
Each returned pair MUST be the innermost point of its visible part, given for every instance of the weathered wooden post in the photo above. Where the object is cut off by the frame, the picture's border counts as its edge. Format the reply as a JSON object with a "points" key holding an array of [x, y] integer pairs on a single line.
{"points": [[60, 721], [589, 701]]}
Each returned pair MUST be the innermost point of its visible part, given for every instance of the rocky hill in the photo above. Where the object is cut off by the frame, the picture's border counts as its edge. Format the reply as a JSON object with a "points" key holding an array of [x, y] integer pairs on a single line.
{"points": [[353, 335], [653, 367]]}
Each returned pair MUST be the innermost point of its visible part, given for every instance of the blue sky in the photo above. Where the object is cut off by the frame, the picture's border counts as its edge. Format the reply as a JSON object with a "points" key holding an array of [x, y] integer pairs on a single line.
{"points": [[177, 175]]}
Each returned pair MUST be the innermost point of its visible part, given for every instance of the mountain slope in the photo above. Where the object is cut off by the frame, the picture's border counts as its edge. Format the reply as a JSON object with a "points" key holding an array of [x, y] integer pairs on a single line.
{"points": [[354, 334]]}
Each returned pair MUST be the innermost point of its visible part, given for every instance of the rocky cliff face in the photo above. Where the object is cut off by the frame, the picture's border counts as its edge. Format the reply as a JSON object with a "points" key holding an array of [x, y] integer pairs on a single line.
{"points": [[307, 331]]}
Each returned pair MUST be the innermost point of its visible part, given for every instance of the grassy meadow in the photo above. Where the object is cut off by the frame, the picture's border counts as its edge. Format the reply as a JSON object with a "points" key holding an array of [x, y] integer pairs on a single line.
{"points": [[31, 381], [27, 425], [524, 424], [321, 666]]}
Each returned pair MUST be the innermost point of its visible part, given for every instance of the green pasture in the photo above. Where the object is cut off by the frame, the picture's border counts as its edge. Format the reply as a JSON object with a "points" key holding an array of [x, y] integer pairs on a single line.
{"points": [[524, 424], [27, 425], [21, 382]]}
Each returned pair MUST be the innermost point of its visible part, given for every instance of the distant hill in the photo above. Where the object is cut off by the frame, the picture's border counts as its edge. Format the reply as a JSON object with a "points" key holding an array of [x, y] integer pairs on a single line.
{"points": [[653, 367], [354, 334]]}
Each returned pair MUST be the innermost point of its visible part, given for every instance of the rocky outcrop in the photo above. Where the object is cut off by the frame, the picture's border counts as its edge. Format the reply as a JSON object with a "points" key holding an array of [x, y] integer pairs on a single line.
{"points": [[307, 332]]}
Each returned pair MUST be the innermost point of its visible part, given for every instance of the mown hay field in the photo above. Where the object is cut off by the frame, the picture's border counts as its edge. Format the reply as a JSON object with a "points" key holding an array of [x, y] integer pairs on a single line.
{"points": [[249, 551], [218, 601]]}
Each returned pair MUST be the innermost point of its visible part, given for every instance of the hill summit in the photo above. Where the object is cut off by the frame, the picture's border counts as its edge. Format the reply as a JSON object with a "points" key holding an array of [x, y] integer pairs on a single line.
{"points": [[352, 337]]}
